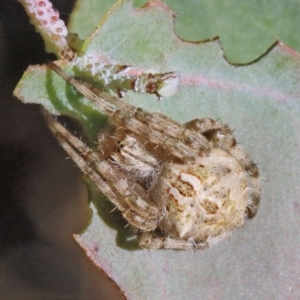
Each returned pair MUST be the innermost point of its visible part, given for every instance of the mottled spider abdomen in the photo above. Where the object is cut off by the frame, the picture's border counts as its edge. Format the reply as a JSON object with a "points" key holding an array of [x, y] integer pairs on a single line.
{"points": [[202, 200]]}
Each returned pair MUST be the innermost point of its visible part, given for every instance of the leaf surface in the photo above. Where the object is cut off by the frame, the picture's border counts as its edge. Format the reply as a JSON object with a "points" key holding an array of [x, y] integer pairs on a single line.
{"points": [[260, 100], [246, 28]]}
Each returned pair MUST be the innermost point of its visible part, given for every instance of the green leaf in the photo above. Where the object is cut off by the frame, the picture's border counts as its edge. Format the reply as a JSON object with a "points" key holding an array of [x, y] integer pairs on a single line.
{"points": [[246, 28], [41, 85], [259, 100]]}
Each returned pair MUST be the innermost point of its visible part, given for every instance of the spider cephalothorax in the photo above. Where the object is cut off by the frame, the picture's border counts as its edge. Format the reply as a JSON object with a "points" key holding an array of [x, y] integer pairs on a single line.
{"points": [[182, 186]]}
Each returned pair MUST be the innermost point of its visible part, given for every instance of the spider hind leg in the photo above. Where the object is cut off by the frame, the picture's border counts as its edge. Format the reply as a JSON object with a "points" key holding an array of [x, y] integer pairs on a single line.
{"points": [[133, 202], [152, 240]]}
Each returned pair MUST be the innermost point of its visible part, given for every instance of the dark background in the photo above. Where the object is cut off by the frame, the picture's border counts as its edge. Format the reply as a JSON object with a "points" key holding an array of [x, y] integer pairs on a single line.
{"points": [[42, 200]]}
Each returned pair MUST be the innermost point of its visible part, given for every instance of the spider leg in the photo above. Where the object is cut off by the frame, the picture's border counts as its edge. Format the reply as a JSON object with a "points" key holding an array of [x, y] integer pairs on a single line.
{"points": [[181, 142], [133, 201], [221, 136], [152, 241]]}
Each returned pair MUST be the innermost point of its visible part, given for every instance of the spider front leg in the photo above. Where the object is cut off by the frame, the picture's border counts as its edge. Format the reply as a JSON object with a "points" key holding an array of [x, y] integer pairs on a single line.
{"points": [[129, 197], [152, 241], [182, 143], [221, 136]]}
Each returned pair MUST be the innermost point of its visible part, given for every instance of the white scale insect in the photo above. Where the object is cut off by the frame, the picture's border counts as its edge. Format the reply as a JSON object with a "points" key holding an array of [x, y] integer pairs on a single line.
{"points": [[182, 186]]}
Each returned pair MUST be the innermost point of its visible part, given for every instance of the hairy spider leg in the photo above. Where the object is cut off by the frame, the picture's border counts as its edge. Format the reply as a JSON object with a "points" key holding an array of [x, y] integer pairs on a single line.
{"points": [[181, 142], [152, 241], [133, 202]]}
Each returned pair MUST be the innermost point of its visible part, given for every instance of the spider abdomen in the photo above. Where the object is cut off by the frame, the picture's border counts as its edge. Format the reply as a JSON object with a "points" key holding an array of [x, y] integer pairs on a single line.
{"points": [[202, 200]]}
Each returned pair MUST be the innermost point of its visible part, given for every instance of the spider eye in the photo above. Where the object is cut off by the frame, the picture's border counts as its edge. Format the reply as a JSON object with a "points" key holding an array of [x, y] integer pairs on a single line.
{"points": [[119, 145]]}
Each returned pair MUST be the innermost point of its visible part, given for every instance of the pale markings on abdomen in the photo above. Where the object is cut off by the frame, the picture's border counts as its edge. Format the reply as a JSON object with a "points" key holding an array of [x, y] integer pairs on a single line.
{"points": [[186, 184], [209, 206]]}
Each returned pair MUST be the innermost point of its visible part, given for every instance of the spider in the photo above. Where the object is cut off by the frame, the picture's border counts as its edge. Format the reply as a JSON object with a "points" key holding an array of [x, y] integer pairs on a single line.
{"points": [[181, 186]]}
